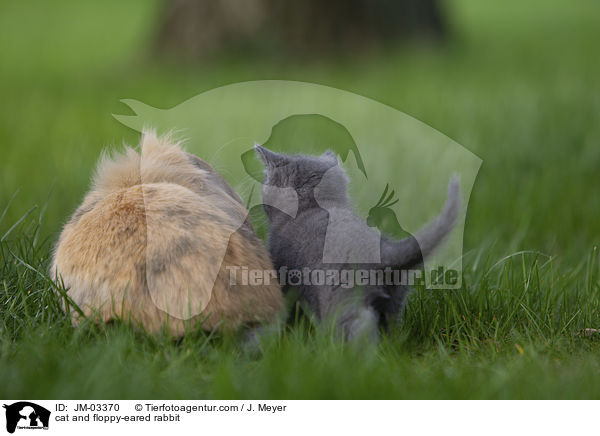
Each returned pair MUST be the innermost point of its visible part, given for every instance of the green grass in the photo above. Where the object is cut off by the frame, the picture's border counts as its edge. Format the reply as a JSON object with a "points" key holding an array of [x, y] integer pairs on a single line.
{"points": [[518, 84]]}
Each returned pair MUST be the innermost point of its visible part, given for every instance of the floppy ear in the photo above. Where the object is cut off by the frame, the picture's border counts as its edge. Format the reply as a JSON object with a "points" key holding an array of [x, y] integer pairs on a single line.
{"points": [[330, 156], [269, 157]]}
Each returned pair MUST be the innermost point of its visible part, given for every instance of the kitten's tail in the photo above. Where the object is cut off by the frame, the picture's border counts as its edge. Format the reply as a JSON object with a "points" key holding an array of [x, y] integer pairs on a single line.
{"points": [[412, 251]]}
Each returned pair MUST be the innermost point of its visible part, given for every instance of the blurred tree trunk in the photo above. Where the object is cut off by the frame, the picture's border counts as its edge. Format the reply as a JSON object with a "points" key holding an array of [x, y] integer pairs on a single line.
{"points": [[196, 28]]}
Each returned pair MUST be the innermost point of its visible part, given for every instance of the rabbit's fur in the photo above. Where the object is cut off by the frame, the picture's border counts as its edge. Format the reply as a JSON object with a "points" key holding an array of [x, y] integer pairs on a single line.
{"points": [[154, 220]]}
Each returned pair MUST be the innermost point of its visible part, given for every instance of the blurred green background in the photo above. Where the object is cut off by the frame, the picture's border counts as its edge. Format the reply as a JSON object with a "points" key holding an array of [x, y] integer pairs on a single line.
{"points": [[517, 83]]}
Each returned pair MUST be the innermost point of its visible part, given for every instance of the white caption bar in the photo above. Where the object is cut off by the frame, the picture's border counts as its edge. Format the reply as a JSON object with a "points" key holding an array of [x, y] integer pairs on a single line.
{"points": [[24, 417]]}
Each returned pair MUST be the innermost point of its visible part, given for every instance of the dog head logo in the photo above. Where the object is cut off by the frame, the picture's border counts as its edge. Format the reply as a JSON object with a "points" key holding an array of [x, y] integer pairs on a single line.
{"points": [[26, 415]]}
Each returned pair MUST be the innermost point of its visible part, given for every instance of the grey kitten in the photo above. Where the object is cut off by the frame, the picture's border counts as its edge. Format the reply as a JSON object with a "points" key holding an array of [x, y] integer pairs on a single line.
{"points": [[325, 234]]}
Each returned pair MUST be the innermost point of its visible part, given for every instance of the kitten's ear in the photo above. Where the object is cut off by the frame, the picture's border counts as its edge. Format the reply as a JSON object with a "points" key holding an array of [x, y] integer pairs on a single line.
{"points": [[330, 156], [269, 157]]}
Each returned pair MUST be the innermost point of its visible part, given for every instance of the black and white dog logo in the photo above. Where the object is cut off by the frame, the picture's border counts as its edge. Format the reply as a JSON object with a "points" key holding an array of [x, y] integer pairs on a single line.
{"points": [[26, 415]]}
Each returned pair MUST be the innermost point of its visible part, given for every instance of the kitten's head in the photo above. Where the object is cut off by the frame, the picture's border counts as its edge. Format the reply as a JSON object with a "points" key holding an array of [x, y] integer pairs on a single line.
{"points": [[314, 178]]}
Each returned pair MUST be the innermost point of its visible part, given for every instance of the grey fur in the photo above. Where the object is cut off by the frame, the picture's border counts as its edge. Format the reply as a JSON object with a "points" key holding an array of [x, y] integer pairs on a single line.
{"points": [[298, 242]]}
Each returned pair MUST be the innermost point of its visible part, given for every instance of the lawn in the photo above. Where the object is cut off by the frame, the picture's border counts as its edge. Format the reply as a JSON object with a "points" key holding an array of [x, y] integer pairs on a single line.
{"points": [[518, 83]]}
